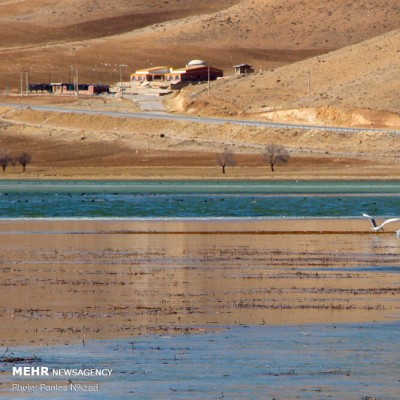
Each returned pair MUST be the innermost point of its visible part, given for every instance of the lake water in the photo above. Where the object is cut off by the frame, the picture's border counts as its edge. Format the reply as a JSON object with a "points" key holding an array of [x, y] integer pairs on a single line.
{"points": [[344, 361], [197, 199]]}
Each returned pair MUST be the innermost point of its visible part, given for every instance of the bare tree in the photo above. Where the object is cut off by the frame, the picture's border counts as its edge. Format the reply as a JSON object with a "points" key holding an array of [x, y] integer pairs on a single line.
{"points": [[226, 159], [24, 159], [275, 154], [5, 160]]}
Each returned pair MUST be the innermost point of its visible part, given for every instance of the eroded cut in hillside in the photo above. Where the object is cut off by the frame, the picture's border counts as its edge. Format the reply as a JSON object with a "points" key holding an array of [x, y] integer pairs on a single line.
{"points": [[357, 86]]}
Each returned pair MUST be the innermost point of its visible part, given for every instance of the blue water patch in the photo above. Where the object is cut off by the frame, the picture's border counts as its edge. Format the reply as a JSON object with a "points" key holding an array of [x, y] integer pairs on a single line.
{"points": [[197, 199], [343, 361], [365, 268], [205, 186]]}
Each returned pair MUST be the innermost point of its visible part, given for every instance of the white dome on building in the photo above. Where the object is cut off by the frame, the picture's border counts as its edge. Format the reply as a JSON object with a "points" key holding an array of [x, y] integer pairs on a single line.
{"points": [[196, 63]]}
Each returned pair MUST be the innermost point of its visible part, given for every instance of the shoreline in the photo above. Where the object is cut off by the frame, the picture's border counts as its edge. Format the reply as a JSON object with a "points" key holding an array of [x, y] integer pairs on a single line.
{"points": [[75, 146], [84, 178], [143, 226], [210, 174]]}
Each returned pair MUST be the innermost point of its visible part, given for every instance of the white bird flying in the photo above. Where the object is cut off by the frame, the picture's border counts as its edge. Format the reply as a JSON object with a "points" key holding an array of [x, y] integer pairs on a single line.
{"points": [[377, 227]]}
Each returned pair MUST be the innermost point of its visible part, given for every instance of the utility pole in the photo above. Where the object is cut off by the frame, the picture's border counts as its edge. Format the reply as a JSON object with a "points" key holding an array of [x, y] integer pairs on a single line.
{"points": [[22, 83], [76, 83], [27, 82], [120, 82], [208, 76]]}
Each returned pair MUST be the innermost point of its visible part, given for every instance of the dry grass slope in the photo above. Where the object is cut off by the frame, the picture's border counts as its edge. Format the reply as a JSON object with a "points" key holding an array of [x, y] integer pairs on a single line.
{"points": [[343, 87], [320, 62], [40, 35]]}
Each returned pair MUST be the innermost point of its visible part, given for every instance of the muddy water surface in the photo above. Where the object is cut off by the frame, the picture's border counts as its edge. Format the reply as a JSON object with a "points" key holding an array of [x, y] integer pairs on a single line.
{"points": [[282, 309], [61, 283]]}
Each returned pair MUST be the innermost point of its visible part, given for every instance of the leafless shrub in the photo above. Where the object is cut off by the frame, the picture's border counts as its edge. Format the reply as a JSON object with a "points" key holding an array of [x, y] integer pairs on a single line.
{"points": [[24, 159], [275, 154], [226, 159], [5, 160]]}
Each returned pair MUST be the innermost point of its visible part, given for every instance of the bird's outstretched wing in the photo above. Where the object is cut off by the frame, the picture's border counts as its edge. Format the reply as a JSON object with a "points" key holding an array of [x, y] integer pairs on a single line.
{"points": [[373, 222], [377, 227], [388, 221]]}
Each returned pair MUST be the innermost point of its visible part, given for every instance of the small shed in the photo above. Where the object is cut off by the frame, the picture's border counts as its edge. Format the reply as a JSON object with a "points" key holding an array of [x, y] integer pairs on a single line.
{"points": [[39, 87], [81, 89], [243, 69]]}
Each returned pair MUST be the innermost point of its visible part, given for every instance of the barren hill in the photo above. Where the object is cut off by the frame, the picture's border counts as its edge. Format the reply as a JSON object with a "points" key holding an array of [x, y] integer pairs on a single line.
{"points": [[27, 22], [47, 38], [322, 61], [295, 27], [356, 85]]}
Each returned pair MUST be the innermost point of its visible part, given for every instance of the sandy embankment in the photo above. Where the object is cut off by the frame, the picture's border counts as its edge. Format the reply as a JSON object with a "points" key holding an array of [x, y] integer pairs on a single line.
{"points": [[77, 280], [99, 147]]}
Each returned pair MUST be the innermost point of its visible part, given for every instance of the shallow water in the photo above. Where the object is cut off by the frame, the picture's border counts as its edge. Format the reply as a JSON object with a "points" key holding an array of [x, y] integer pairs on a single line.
{"points": [[344, 361], [204, 186], [367, 268], [197, 199]]}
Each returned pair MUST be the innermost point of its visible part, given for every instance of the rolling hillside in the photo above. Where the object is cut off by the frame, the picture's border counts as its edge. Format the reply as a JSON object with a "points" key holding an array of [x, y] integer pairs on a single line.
{"points": [[356, 85], [48, 39]]}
